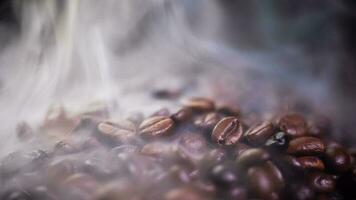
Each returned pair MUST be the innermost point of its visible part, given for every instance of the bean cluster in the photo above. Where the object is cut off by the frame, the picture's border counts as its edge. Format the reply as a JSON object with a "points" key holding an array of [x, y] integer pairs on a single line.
{"points": [[200, 152]]}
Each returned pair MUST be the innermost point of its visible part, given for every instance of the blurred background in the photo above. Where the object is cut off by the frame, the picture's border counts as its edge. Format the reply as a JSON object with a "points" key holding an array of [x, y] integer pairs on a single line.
{"points": [[267, 57]]}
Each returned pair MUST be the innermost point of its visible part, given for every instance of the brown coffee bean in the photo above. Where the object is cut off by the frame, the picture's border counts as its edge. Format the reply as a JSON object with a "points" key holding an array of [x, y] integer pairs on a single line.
{"points": [[228, 131], [311, 163], [200, 104], [321, 182], [292, 161], [293, 125], [300, 191], [207, 121], [120, 131], [306, 146], [182, 115], [338, 159], [251, 157], [156, 126], [239, 148], [265, 181], [259, 133]]}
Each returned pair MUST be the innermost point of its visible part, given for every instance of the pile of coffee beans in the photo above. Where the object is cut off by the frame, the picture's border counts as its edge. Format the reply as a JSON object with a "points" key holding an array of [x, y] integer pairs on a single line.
{"points": [[202, 151]]}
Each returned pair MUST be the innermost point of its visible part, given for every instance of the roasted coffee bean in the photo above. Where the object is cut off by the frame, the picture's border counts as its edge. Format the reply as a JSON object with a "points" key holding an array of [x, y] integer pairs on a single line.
{"points": [[311, 163], [156, 126], [235, 192], [265, 181], [216, 155], [157, 150], [278, 142], [224, 174], [293, 125], [207, 121], [306, 146], [338, 159], [228, 131], [182, 115], [292, 161], [200, 104], [259, 133], [321, 182], [251, 157], [119, 131], [239, 148], [64, 147]]}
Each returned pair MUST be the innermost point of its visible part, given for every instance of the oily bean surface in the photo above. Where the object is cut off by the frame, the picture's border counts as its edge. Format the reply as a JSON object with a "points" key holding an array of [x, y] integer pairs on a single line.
{"points": [[294, 125], [156, 126], [259, 133], [200, 104], [321, 182], [228, 131], [338, 159], [306, 146], [311, 163]]}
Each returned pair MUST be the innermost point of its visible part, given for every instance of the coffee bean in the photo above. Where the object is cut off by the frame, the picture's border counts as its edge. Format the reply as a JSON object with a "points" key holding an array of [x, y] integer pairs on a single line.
{"points": [[278, 142], [156, 126], [300, 191], [225, 174], [119, 131], [251, 157], [306, 146], [157, 150], [338, 159], [200, 104], [311, 163], [228, 131], [265, 181], [64, 147], [321, 182], [207, 121], [182, 115], [293, 125], [259, 133], [239, 148], [235, 192]]}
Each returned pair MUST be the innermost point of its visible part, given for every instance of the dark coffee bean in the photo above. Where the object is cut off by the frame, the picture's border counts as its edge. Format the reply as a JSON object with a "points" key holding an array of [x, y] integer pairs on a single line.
{"points": [[207, 121], [119, 131], [234, 193], [24, 131], [239, 148], [311, 163], [306, 146], [292, 161], [265, 181], [300, 191], [156, 126], [293, 125], [224, 174], [315, 131], [228, 131], [200, 104], [182, 115], [321, 182], [338, 159], [251, 157], [259, 133], [278, 142]]}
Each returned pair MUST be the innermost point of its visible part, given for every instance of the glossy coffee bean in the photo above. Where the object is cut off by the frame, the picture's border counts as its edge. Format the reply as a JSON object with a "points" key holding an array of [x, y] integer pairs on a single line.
{"points": [[311, 163], [224, 174], [321, 182], [293, 125], [265, 181], [251, 157], [156, 126], [259, 133], [182, 115], [338, 159], [207, 121], [306, 146], [234, 193], [300, 191], [200, 104], [228, 131]]}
